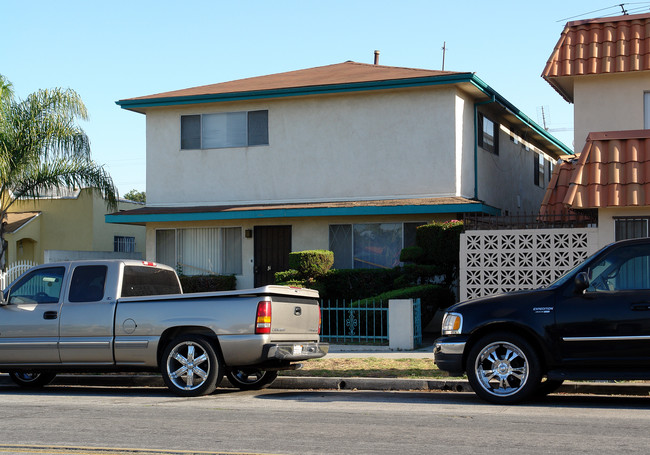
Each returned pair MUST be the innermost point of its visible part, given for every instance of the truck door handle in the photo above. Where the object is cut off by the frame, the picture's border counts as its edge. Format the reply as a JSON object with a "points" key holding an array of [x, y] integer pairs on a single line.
{"points": [[50, 315]]}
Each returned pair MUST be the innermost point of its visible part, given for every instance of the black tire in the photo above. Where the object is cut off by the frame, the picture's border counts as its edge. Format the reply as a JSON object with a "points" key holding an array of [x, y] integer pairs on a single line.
{"points": [[250, 378], [31, 379], [190, 366], [503, 368]]}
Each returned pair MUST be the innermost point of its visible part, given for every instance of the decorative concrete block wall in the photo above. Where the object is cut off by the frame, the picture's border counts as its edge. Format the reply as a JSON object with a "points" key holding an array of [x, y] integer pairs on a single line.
{"points": [[493, 262]]}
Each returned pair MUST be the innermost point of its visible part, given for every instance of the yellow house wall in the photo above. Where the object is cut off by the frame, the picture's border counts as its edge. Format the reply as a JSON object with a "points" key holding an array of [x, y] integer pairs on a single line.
{"points": [[74, 225]]}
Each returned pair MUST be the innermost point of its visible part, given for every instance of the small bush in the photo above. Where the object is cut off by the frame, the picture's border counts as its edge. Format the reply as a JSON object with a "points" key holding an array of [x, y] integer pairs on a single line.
{"points": [[208, 283], [432, 297], [311, 263], [287, 275], [411, 254]]}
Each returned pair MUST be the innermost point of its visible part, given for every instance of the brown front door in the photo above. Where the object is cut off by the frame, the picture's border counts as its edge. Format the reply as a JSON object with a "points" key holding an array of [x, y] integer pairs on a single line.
{"points": [[272, 248]]}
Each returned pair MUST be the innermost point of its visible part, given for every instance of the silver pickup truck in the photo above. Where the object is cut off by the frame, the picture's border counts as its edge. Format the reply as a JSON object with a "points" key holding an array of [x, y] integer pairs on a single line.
{"points": [[124, 315]]}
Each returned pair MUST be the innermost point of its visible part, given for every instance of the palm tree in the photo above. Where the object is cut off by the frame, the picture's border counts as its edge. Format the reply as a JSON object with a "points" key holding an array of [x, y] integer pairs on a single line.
{"points": [[42, 149]]}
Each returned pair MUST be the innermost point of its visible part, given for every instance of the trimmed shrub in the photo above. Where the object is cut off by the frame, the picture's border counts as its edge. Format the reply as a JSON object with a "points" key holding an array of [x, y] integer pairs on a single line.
{"points": [[411, 254], [354, 284], [432, 297], [311, 263], [287, 275], [440, 242], [207, 283]]}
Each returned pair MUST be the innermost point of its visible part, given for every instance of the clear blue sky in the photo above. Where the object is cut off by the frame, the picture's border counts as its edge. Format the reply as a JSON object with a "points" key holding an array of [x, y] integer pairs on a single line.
{"points": [[118, 49]]}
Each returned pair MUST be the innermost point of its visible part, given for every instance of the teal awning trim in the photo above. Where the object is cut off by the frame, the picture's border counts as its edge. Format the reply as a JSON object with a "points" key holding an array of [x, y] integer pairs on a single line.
{"points": [[135, 218]]}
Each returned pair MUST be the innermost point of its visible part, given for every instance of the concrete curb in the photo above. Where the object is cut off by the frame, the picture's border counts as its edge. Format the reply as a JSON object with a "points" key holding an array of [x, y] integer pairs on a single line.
{"points": [[336, 383]]}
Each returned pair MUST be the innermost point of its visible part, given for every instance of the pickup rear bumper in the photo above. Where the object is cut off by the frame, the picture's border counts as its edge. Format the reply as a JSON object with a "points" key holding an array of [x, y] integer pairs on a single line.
{"points": [[294, 352]]}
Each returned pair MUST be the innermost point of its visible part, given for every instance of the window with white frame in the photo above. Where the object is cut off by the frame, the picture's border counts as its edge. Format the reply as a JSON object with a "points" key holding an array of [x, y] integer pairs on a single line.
{"points": [[488, 134], [540, 169], [123, 244], [201, 251], [370, 245], [224, 129]]}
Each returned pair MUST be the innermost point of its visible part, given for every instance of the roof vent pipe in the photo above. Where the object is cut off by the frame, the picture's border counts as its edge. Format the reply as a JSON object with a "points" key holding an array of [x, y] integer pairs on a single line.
{"points": [[376, 57]]}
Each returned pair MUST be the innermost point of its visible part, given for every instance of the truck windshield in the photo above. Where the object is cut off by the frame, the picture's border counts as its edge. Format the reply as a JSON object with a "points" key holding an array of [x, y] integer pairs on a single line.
{"points": [[140, 281]]}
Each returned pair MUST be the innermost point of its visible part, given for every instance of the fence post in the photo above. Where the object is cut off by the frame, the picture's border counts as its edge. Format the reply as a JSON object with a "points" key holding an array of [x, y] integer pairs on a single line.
{"points": [[400, 324]]}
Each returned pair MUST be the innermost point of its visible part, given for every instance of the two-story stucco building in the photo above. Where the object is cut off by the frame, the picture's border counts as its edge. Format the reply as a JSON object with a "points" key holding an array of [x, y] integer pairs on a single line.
{"points": [[349, 157]]}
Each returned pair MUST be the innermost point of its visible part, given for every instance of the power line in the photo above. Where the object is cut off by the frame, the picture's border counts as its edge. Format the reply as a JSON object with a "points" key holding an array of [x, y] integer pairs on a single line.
{"points": [[616, 13]]}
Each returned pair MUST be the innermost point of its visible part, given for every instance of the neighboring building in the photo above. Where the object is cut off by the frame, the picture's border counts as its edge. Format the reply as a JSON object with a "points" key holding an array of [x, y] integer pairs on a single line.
{"points": [[69, 225], [603, 67], [348, 157]]}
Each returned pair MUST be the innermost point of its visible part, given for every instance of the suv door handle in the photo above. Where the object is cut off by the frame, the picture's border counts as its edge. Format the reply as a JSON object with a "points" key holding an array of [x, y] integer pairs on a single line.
{"points": [[641, 306], [50, 315]]}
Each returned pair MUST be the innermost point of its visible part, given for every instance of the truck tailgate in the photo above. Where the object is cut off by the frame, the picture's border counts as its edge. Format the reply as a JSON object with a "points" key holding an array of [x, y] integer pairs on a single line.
{"points": [[294, 316]]}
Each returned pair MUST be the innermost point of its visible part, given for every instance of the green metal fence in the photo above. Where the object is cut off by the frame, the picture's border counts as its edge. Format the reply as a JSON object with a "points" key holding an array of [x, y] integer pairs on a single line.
{"points": [[358, 321]]}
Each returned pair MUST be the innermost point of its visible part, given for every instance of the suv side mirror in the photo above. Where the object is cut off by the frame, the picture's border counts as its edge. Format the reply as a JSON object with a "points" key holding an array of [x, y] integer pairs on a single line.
{"points": [[581, 282]]}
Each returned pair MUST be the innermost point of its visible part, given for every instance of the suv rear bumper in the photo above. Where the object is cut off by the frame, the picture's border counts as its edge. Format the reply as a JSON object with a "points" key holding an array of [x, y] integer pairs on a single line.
{"points": [[448, 354]]}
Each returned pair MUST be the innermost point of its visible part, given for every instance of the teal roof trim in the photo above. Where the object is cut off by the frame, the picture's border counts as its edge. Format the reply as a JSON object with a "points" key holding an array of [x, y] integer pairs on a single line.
{"points": [[455, 78], [296, 91], [485, 88], [124, 217]]}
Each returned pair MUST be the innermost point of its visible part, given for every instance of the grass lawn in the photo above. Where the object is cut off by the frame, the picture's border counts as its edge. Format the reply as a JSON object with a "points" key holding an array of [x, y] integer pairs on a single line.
{"points": [[370, 367]]}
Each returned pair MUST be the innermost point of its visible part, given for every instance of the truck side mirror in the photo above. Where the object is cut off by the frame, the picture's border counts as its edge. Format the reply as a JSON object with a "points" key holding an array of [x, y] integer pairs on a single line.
{"points": [[581, 282]]}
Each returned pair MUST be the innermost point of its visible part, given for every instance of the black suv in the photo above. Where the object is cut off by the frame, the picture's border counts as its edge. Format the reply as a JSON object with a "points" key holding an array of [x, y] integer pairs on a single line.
{"points": [[592, 324]]}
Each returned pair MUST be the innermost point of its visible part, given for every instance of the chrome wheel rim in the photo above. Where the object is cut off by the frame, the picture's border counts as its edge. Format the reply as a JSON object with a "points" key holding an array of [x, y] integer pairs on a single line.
{"points": [[28, 377], [502, 369], [248, 377], [188, 366]]}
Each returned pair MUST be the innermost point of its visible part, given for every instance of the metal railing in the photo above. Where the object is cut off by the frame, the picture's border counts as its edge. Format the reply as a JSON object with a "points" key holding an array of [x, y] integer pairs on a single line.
{"points": [[357, 321], [529, 221]]}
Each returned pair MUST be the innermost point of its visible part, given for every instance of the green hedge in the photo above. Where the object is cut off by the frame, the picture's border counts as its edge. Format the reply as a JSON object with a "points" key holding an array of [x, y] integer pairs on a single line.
{"points": [[311, 263], [207, 283], [432, 297], [354, 284]]}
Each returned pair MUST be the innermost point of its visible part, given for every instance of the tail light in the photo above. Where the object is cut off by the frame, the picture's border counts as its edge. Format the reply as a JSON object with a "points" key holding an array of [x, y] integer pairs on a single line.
{"points": [[320, 320], [263, 321]]}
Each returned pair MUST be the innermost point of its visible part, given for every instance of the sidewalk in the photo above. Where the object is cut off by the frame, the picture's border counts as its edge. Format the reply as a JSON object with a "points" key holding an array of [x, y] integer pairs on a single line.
{"points": [[334, 383]]}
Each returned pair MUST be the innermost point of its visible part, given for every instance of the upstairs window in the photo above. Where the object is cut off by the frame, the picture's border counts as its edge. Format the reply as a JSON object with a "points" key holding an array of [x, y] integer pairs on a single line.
{"points": [[488, 134], [225, 129], [540, 169]]}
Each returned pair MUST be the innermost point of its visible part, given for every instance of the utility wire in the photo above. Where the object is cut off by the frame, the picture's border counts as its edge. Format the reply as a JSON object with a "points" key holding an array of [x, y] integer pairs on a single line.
{"points": [[616, 13]]}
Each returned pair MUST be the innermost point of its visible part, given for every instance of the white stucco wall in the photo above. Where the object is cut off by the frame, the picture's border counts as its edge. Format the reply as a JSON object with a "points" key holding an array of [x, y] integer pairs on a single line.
{"points": [[519, 194], [608, 103], [336, 147]]}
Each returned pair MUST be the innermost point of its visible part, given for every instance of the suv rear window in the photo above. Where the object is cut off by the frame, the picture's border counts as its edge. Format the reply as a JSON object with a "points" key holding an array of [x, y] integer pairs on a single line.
{"points": [[140, 281]]}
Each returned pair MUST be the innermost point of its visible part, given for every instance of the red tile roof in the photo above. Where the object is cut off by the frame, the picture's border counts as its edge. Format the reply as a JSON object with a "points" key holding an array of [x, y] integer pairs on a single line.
{"points": [[613, 170], [341, 73], [599, 46]]}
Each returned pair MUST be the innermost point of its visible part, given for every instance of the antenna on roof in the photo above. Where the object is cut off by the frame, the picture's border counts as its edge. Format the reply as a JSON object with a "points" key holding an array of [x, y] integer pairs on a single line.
{"points": [[444, 50], [623, 9]]}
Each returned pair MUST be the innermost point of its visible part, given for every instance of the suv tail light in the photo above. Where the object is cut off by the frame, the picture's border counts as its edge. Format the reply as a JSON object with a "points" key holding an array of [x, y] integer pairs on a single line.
{"points": [[263, 321], [320, 320]]}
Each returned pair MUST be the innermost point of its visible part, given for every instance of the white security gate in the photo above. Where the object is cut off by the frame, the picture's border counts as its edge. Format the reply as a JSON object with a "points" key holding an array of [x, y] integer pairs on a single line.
{"points": [[14, 270], [493, 262]]}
